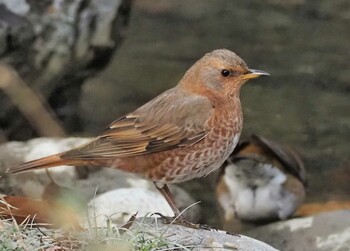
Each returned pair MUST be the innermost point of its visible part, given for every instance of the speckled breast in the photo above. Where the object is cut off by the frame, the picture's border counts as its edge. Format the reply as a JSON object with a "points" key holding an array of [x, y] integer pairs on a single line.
{"points": [[202, 158]]}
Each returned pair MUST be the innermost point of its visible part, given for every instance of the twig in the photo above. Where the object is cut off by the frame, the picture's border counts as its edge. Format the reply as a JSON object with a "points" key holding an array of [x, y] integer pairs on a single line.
{"points": [[29, 103], [33, 107]]}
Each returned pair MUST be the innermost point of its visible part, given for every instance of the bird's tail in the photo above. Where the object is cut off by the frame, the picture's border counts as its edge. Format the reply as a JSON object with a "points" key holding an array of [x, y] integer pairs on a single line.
{"points": [[46, 162]]}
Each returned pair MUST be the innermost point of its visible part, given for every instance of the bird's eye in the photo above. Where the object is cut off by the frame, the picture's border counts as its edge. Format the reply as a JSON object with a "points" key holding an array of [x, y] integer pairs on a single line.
{"points": [[225, 72]]}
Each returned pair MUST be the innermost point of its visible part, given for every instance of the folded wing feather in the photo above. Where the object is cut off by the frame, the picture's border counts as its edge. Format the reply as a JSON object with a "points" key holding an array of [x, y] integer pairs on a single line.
{"points": [[162, 124]]}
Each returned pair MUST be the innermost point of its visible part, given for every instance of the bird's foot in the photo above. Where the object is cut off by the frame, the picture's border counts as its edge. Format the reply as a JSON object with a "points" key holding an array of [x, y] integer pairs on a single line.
{"points": [[214, 229], [180, 220]]}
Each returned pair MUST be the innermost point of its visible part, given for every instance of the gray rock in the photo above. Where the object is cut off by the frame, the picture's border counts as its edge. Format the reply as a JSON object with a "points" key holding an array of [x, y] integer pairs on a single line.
{"points": [[149, 233], [322, 232], [194, 239]]}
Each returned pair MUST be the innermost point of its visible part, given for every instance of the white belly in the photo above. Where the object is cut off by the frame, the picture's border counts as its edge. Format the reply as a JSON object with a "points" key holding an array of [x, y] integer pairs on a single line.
{"points": [[265, 199]]}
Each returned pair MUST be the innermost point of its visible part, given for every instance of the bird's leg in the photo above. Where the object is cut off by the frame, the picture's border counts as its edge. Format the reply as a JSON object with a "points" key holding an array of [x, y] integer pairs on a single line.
{"points": [[164, 190], [178, 218]]}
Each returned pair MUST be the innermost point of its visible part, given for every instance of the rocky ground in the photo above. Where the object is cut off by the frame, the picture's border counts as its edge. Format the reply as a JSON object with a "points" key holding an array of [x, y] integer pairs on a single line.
{"points": [[110, 198]]}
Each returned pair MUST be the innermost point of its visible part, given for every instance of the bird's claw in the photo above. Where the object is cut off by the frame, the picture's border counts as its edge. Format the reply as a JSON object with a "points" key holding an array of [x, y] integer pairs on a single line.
{"points": [[178, 220], [208, 227]]}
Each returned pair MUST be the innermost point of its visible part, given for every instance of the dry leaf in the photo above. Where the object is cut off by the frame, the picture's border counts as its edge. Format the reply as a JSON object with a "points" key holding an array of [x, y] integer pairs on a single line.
{"points": [[319, 207], [37, 211]]}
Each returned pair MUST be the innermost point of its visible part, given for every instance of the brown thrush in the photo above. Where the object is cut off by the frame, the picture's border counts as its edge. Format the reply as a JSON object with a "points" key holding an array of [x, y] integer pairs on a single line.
{"points": [[184, 133]]}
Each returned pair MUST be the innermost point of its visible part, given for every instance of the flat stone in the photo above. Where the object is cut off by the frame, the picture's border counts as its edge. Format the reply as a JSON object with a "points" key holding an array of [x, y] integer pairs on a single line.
{"points": [[196, 239], [322, 232]]}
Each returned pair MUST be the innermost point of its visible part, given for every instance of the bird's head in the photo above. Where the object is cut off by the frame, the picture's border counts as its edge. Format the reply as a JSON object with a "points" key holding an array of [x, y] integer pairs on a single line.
{"points": [[220, 71]]}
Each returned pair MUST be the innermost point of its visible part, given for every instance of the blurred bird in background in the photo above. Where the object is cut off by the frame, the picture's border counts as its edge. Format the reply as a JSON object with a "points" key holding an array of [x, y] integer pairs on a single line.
{"points": [[261, 181]]}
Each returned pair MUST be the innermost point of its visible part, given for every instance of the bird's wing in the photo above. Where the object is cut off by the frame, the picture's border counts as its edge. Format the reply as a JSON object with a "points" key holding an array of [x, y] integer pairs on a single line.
{"points": [[171, 120]]}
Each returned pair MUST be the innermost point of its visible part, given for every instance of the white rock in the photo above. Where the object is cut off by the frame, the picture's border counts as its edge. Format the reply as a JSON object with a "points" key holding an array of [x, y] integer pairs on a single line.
{"points": [[33, 183], [120, 204]]}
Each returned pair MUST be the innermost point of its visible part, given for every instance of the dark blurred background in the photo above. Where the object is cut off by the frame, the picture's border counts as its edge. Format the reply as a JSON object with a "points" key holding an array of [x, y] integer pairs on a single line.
{"points": [[305, 103]]}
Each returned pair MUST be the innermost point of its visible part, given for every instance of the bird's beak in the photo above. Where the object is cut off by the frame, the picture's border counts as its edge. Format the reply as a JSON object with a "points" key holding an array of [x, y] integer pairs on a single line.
{"points": [[255, 74]]}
